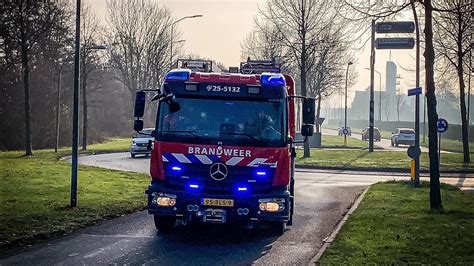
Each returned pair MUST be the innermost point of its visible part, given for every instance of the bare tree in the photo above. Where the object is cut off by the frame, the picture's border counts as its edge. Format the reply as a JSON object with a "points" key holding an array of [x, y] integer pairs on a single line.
{"points": [[452, 42], [400, 101], [298, 25], [90, 30], [435, 193], [327, 76], [265, 43], [26, 21], [139, 33]]}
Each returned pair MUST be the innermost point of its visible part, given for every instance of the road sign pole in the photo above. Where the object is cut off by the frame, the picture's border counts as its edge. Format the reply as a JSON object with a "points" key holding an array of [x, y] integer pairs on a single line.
{"points": [[439, 150], [417, 140], [442, 126], [417, 103], [371, 112]]}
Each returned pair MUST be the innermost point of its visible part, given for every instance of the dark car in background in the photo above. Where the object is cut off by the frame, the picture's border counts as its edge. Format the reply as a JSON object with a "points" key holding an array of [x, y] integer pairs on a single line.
{"points": [[140, 143], [365, 134]]}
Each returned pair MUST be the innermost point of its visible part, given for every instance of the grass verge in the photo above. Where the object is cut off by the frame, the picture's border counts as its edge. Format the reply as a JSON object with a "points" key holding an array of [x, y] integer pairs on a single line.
{"points": [[393, 225], [361, 159], [451, 145], [35, 192], [338, 142]]}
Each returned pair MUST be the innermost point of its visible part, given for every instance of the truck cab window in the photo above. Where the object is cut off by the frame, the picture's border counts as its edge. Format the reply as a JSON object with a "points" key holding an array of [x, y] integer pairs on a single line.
{"points": [[244, 122]]}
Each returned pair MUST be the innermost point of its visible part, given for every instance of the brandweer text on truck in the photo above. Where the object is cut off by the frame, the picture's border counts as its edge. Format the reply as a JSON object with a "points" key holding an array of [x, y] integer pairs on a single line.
{"points": [[224, 146]]}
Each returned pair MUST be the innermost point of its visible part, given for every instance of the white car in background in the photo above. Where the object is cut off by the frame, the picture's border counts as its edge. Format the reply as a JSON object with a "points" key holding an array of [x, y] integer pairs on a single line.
{"points": [[140, 143], [403, 136]]}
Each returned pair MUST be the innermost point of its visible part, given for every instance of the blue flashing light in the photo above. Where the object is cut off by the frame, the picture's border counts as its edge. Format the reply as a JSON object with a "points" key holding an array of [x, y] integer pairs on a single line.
{"points": [[272, 79], [194, 186], [176, 168], [242, 189], [178, 74], [261, 173]]}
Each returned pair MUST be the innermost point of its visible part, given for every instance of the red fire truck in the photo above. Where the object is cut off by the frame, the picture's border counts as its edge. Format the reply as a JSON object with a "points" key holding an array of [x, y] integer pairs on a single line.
{"points": [[224, 146]]}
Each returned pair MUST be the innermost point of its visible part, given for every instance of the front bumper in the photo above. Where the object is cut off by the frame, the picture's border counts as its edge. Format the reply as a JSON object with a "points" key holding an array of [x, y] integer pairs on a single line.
{"points": [[406, 141], [249, 202]]}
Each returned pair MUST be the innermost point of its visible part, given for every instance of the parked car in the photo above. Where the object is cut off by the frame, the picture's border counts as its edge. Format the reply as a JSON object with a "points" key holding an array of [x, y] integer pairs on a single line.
{"points": [[140, 143], [365, 134], [403, 136], [340, 131]]}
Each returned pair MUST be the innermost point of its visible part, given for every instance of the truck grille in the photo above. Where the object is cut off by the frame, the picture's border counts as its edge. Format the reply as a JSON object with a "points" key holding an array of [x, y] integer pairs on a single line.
{"points": [[237, 176]]}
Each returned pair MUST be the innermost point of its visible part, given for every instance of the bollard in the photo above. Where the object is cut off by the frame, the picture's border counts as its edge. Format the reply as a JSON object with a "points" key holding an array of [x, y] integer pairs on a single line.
{"points": [[413, 170]]}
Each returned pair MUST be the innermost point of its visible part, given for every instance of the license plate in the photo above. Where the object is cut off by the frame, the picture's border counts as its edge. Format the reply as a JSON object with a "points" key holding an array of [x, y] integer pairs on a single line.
{"points": [[218, 202]]}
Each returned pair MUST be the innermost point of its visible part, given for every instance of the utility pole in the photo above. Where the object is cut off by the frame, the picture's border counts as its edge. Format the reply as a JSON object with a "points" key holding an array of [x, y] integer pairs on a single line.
{"points": [[417, 100], [469, 89], [345, 107], [75, 108], [371, 105]]}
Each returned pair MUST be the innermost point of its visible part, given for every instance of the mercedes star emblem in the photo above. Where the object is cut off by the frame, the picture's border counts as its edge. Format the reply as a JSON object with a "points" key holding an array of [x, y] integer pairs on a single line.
{"points": [[218, 171]]}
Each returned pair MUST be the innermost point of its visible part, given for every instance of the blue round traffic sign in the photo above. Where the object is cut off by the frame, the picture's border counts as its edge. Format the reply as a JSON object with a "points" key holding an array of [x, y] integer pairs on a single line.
{"points": [[345, 131], [442, 125]]}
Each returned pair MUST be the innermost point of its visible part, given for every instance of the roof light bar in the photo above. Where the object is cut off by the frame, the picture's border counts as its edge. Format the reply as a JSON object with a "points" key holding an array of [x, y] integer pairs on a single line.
{"points": [[272, 79], [178, 75]]}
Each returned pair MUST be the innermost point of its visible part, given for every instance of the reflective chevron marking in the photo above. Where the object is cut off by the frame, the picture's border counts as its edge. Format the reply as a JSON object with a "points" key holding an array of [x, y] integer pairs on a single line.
{"points": [[210, 159], [204, 159], [181, 158], [234, 160]]}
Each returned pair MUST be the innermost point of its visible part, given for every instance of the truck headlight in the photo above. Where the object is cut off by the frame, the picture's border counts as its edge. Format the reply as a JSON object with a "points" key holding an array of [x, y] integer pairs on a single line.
{"points": [[271, 205], [163, 200]]}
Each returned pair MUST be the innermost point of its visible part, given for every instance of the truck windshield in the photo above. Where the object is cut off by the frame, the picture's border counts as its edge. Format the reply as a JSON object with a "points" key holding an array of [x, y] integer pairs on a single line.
{"points": [[232, 122]]}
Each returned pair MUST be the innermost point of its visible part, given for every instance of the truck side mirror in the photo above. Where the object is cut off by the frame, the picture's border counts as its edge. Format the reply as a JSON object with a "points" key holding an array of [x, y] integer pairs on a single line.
{"points": [[307, 130], [138, 125], [309, 110], [139, 104]]}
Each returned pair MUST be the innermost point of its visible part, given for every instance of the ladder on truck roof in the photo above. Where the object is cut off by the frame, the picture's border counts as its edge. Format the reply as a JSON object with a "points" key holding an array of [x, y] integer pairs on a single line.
{"points": [[195, 65], [259, 66]]}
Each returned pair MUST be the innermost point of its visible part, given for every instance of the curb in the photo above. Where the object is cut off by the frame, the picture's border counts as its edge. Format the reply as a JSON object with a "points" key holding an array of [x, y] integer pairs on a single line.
{"points": [[66, 157], [328, 240]]}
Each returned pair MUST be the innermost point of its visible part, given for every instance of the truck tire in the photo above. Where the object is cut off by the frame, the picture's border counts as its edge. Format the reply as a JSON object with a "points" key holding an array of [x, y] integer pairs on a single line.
{"points": [[277, 228], [164, 223]]}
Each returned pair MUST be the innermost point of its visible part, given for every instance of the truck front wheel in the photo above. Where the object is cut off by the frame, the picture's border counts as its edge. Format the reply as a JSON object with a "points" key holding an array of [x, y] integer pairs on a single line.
{"points": [[164, 223]]}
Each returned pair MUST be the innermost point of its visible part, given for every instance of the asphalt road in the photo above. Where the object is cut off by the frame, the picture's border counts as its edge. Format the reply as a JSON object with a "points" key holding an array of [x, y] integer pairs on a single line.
{"points": [[322, 198], [321, 201]]}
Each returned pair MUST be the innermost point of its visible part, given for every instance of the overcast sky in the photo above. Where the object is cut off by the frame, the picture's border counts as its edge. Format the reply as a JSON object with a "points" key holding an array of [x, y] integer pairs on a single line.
{"points": [[225, 23]]}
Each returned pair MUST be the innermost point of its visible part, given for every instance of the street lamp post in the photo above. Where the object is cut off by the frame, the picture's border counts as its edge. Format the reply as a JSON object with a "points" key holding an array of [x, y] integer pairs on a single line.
{"points": [[171, 36], [345, 106], [75, 106]]}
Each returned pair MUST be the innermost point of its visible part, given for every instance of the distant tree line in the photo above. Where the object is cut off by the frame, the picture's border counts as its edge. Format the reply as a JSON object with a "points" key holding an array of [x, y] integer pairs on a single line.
{"points": [[130, 52]]}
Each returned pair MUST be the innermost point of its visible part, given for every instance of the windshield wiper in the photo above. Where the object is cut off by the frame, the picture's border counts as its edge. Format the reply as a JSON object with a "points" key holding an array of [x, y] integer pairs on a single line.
{"points": [[241, 134], [183, 131]]}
